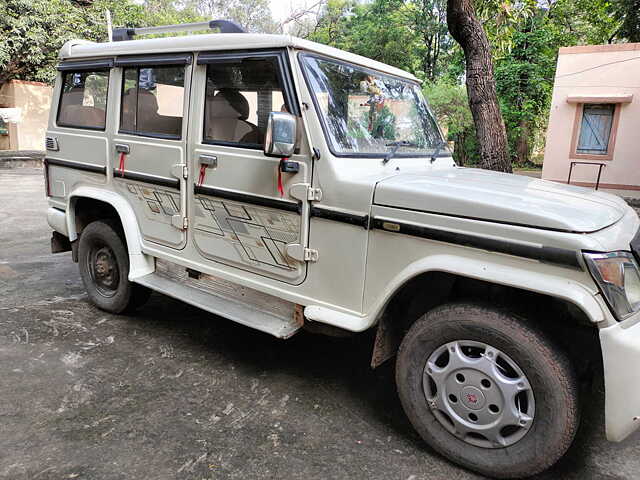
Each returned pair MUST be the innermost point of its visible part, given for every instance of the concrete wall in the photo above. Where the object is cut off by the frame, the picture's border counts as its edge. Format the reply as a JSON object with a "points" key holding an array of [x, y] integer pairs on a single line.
{"points": [[5, 142], [591, 74], [34, 100]]}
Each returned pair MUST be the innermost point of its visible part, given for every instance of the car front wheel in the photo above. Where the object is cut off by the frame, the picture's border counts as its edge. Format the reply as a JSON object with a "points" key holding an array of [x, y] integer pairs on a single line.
{"points": [[487, 390]]}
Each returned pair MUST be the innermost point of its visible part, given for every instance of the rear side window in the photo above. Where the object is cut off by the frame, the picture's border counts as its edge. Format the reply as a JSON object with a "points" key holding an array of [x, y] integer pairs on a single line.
{"points": [[239, 97], [152, 101], [83, 103]]}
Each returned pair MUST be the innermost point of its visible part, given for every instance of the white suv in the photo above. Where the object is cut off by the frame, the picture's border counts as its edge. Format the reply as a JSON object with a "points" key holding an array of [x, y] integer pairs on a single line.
{"points": [[284, 184]]}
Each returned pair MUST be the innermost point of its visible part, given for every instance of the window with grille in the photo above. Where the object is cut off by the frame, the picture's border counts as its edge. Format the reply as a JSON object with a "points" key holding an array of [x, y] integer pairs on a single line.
{"points": [[595, 129]]}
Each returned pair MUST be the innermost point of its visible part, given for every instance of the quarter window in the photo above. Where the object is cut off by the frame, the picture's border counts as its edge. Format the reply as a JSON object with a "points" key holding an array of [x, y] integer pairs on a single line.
{"points": [[152, 101], [595, 129], [239, 97], [83, 103]]}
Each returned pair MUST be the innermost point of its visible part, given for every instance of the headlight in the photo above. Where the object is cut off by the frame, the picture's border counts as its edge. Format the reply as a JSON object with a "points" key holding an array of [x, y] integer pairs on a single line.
{"points": [[619, 279]]}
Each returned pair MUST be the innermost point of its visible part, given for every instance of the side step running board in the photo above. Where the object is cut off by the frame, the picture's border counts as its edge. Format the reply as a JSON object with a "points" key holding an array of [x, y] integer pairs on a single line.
{"points": [[223, 306]]}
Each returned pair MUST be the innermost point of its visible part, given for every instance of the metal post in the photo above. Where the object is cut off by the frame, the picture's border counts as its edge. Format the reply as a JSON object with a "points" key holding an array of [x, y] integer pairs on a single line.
{"points": [[569, 177], [600, 167], [599, 173], [109, 26]]}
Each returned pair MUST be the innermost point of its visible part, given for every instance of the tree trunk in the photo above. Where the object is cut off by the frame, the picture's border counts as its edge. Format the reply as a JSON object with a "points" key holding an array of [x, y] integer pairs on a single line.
{"points": [[481, 85], [460, 153], [523, 152]]}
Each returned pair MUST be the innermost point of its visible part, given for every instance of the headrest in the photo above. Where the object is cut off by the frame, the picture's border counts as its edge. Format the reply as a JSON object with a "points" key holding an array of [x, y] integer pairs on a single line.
{"points": [[229, 103], [75, 96], [147, 102]]}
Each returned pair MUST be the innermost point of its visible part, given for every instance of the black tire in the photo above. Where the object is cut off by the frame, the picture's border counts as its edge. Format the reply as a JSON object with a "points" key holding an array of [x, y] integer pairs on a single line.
{"points": [[546, 367], [102, 242]]}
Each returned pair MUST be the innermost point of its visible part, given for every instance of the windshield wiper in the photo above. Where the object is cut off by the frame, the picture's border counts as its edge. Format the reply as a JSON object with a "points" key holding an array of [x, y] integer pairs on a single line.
{"points": [[396, 146], [438, 149]]}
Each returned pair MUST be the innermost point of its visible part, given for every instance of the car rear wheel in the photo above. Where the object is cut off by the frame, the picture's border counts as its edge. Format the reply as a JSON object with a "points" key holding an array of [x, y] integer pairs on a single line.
{"points": [[104, 267], [487, 390]]}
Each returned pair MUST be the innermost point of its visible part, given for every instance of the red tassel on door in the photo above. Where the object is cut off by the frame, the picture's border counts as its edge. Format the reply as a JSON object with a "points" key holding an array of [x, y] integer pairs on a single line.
{"points": [[203, 172], [280, 187], [121, 166]]}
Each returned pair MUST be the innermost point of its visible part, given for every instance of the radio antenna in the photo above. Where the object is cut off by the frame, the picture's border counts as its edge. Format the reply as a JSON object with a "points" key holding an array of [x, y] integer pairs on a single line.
{"points": [[109, 27]]}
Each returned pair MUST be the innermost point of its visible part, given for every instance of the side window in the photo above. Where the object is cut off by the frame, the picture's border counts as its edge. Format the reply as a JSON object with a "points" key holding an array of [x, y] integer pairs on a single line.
{"points": [[239, 97], [595, 129], [83, 103], [152, 101]]}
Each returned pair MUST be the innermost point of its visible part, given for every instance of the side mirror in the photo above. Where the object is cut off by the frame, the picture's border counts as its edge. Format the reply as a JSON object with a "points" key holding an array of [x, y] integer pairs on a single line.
{"points": [[280, 139]]}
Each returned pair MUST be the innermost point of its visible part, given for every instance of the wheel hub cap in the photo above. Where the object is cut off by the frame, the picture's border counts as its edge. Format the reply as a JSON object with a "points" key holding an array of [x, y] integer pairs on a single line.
{"points": [[104, 271], [479, 394], [473, 398]]}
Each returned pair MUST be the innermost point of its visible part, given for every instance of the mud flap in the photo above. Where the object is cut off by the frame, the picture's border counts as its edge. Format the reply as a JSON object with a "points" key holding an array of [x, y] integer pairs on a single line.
{"points": [[59, 243]]}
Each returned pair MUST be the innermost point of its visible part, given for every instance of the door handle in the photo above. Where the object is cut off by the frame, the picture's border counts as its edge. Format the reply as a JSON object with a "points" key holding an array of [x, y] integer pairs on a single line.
{"points": [[122, 148], [206, 161], [209, 161]]}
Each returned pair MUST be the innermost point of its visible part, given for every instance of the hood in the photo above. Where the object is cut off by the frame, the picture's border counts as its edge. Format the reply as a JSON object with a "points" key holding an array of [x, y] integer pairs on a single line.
{"points": [[501, 197]]}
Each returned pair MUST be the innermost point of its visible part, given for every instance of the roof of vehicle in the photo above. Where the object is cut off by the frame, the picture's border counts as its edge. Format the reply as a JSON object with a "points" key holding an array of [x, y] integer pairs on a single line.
{"points": [[77, 49]]}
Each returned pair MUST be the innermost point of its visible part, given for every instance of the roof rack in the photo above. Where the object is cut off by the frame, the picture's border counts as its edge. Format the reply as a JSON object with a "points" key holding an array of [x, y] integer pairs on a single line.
{"points": [[225, 26]]}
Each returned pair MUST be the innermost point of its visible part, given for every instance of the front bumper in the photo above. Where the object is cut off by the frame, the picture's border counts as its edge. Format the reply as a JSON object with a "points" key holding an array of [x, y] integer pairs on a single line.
{"points": [[620, 345]]}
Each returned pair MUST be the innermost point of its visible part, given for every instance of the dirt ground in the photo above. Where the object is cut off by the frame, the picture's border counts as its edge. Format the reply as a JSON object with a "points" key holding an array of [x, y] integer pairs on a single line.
{"points": [[174, 392]]}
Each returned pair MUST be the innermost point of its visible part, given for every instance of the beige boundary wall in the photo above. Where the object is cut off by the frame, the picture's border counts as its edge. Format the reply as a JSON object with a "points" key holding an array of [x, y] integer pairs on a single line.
{"points": [[33, 99], [602, 74]]}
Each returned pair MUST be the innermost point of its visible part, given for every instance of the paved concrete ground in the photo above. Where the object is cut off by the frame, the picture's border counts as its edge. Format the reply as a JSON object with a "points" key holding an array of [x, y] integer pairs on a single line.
{"points": [[177, 393], [21, 158]]}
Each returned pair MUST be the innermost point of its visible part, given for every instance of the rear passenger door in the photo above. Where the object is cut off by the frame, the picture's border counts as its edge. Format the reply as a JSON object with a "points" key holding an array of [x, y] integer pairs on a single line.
{"points": [[239, 217], [148, 149]]}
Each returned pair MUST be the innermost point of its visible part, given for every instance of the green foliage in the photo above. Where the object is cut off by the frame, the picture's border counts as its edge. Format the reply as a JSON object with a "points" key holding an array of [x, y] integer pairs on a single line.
{"points": [[33, 31], [332, 25], [627, 12], [409, 34], [524, 82], [582, 22], [159, 12], [427, 19], [253, 15], [450, 105], [376, 31], [502, 18], [384, 124]]}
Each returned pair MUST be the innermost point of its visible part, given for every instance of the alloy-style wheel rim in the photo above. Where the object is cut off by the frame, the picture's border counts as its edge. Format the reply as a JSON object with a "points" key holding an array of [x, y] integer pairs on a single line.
{"points": [[479, 394], [103, 268]]}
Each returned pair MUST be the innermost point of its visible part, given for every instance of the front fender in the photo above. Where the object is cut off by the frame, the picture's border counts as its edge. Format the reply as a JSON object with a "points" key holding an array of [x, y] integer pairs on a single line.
{"points": [[139, 263], [501, 273]]}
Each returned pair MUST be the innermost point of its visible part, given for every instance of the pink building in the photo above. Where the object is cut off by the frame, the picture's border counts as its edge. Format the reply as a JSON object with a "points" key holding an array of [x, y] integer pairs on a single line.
{"points": [[594, 124], [32, 101]]}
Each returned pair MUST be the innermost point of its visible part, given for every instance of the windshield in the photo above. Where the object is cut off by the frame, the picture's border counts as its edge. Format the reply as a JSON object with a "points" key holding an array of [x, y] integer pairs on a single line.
{"points": [[368, 113]]}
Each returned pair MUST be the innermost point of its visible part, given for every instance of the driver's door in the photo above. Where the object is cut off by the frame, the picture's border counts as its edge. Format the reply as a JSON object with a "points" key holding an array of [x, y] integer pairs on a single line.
{"points": [[238, 216]]}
